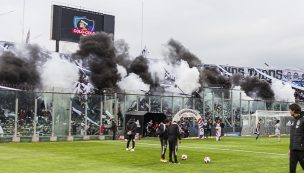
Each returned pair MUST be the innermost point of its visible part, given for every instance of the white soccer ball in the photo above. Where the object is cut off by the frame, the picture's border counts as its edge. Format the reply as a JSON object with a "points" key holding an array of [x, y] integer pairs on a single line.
{"points": [[184, 157], [207, 159]]}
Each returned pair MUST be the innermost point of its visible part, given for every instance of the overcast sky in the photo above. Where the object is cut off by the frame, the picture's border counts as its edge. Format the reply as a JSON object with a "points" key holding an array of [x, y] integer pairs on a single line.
{"points": [[234, 32]]}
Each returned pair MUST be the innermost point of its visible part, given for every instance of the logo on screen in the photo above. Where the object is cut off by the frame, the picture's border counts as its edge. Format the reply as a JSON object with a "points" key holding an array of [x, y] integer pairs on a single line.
{"points": [[83, 26]]}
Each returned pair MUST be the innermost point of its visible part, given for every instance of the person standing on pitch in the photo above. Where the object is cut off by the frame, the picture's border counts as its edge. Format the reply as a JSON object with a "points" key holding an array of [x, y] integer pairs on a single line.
{"points": [[113, 128], [277, 131], [131, 131], [257, 129], [218, 130], [173, 135], [162, 132], [296, 146]]}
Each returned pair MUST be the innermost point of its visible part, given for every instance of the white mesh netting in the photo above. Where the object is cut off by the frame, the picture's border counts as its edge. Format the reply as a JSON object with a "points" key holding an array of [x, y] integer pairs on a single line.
{"points": [[249, 122]]}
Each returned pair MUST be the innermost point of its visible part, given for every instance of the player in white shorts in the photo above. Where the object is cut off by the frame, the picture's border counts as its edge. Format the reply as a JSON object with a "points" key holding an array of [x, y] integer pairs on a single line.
{"points": [[277, 131]]}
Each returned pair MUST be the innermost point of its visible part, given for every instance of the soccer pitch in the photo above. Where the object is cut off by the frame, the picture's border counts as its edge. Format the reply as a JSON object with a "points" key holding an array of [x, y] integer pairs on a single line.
{"points": [[232, 154]]}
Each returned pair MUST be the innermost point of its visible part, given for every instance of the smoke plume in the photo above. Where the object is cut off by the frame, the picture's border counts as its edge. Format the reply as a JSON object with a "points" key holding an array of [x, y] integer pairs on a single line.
{"points": [[254, 87], [133, 83], [18, 71], [140, 67], [187, 78], [283, 92], [237, 79], [122, 53], [213, 78], [99, 52], [178, 52], [59, 74]]}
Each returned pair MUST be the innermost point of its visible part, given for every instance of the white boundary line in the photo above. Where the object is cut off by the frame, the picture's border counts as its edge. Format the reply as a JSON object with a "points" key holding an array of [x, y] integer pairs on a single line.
{"points": [[202, 147], [223, 149]]}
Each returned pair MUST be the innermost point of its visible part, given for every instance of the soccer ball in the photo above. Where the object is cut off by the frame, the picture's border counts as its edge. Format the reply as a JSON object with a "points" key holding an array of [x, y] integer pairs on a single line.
{"points": [[207, 159], [184, 157]]}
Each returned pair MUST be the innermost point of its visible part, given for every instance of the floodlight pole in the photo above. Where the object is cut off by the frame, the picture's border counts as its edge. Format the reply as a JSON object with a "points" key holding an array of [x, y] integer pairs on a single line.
{"points": [[161, 104], [53, 115], [101, 113], [23, 14], [70, 118], [212, 106], [16, 118], [86, 115], [249, 119], [223, 102], [142, 24], [34, 138], [57, 46]]}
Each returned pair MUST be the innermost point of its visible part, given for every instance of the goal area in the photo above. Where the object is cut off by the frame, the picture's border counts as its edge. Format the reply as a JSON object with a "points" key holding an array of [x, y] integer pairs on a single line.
{"points": [[269, 118]]}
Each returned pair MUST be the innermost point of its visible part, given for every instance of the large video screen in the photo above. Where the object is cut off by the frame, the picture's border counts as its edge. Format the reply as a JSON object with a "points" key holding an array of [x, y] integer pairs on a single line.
{"points": [[69, 24]]}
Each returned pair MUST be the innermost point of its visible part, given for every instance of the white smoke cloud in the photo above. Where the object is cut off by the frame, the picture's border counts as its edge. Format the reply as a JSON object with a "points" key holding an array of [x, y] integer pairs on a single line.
{"points": [[283, 91], [243, 94], [59, 74], [133, 83], [68, 47], [157, 68], [187, 78], [122, 71]]}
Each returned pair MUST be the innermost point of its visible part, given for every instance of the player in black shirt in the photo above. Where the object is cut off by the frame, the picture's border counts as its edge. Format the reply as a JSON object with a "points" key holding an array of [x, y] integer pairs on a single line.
{"points": [[162, 132], [173, 135]]}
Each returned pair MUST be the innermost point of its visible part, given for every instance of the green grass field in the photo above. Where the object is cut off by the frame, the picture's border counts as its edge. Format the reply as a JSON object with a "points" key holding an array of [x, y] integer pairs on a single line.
{"points": [[232, 154]]}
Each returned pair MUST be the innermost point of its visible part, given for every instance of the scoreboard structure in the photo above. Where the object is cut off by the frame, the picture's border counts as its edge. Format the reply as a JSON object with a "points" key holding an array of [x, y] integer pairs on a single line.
{"points": [[69, 24]]}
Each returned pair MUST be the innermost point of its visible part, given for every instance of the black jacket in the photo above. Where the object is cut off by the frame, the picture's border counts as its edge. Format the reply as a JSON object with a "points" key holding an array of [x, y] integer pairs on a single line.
{"points": [[164, 129], [297, 134], [114, 126], [173, 132], [131, 126]]}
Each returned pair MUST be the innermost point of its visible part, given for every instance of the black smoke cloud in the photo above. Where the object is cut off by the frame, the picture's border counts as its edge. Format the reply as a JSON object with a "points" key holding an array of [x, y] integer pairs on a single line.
{"points": [[21, 72], [178, 52], [122, 53], [21, 68], [99, 53], [140, 66], [213, 78], [237, 79], [253, 85]]}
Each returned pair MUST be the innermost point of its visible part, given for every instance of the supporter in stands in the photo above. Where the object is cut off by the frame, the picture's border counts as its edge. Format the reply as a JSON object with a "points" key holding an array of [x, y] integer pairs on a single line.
{"points": [[155, 126]]}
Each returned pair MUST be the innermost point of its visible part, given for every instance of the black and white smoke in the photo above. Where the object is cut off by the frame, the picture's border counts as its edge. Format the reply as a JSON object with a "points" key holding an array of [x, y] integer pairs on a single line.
{"points": [[212, 77], [30, 67], [122, 53], [98, 52], [140, 66], [17, 71], [111, 66], [256, 88], [178, 52]]}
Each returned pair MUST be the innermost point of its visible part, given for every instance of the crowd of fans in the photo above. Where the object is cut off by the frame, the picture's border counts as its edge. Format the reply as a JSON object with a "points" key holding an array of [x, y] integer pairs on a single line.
{"points": [[299, 95]]}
